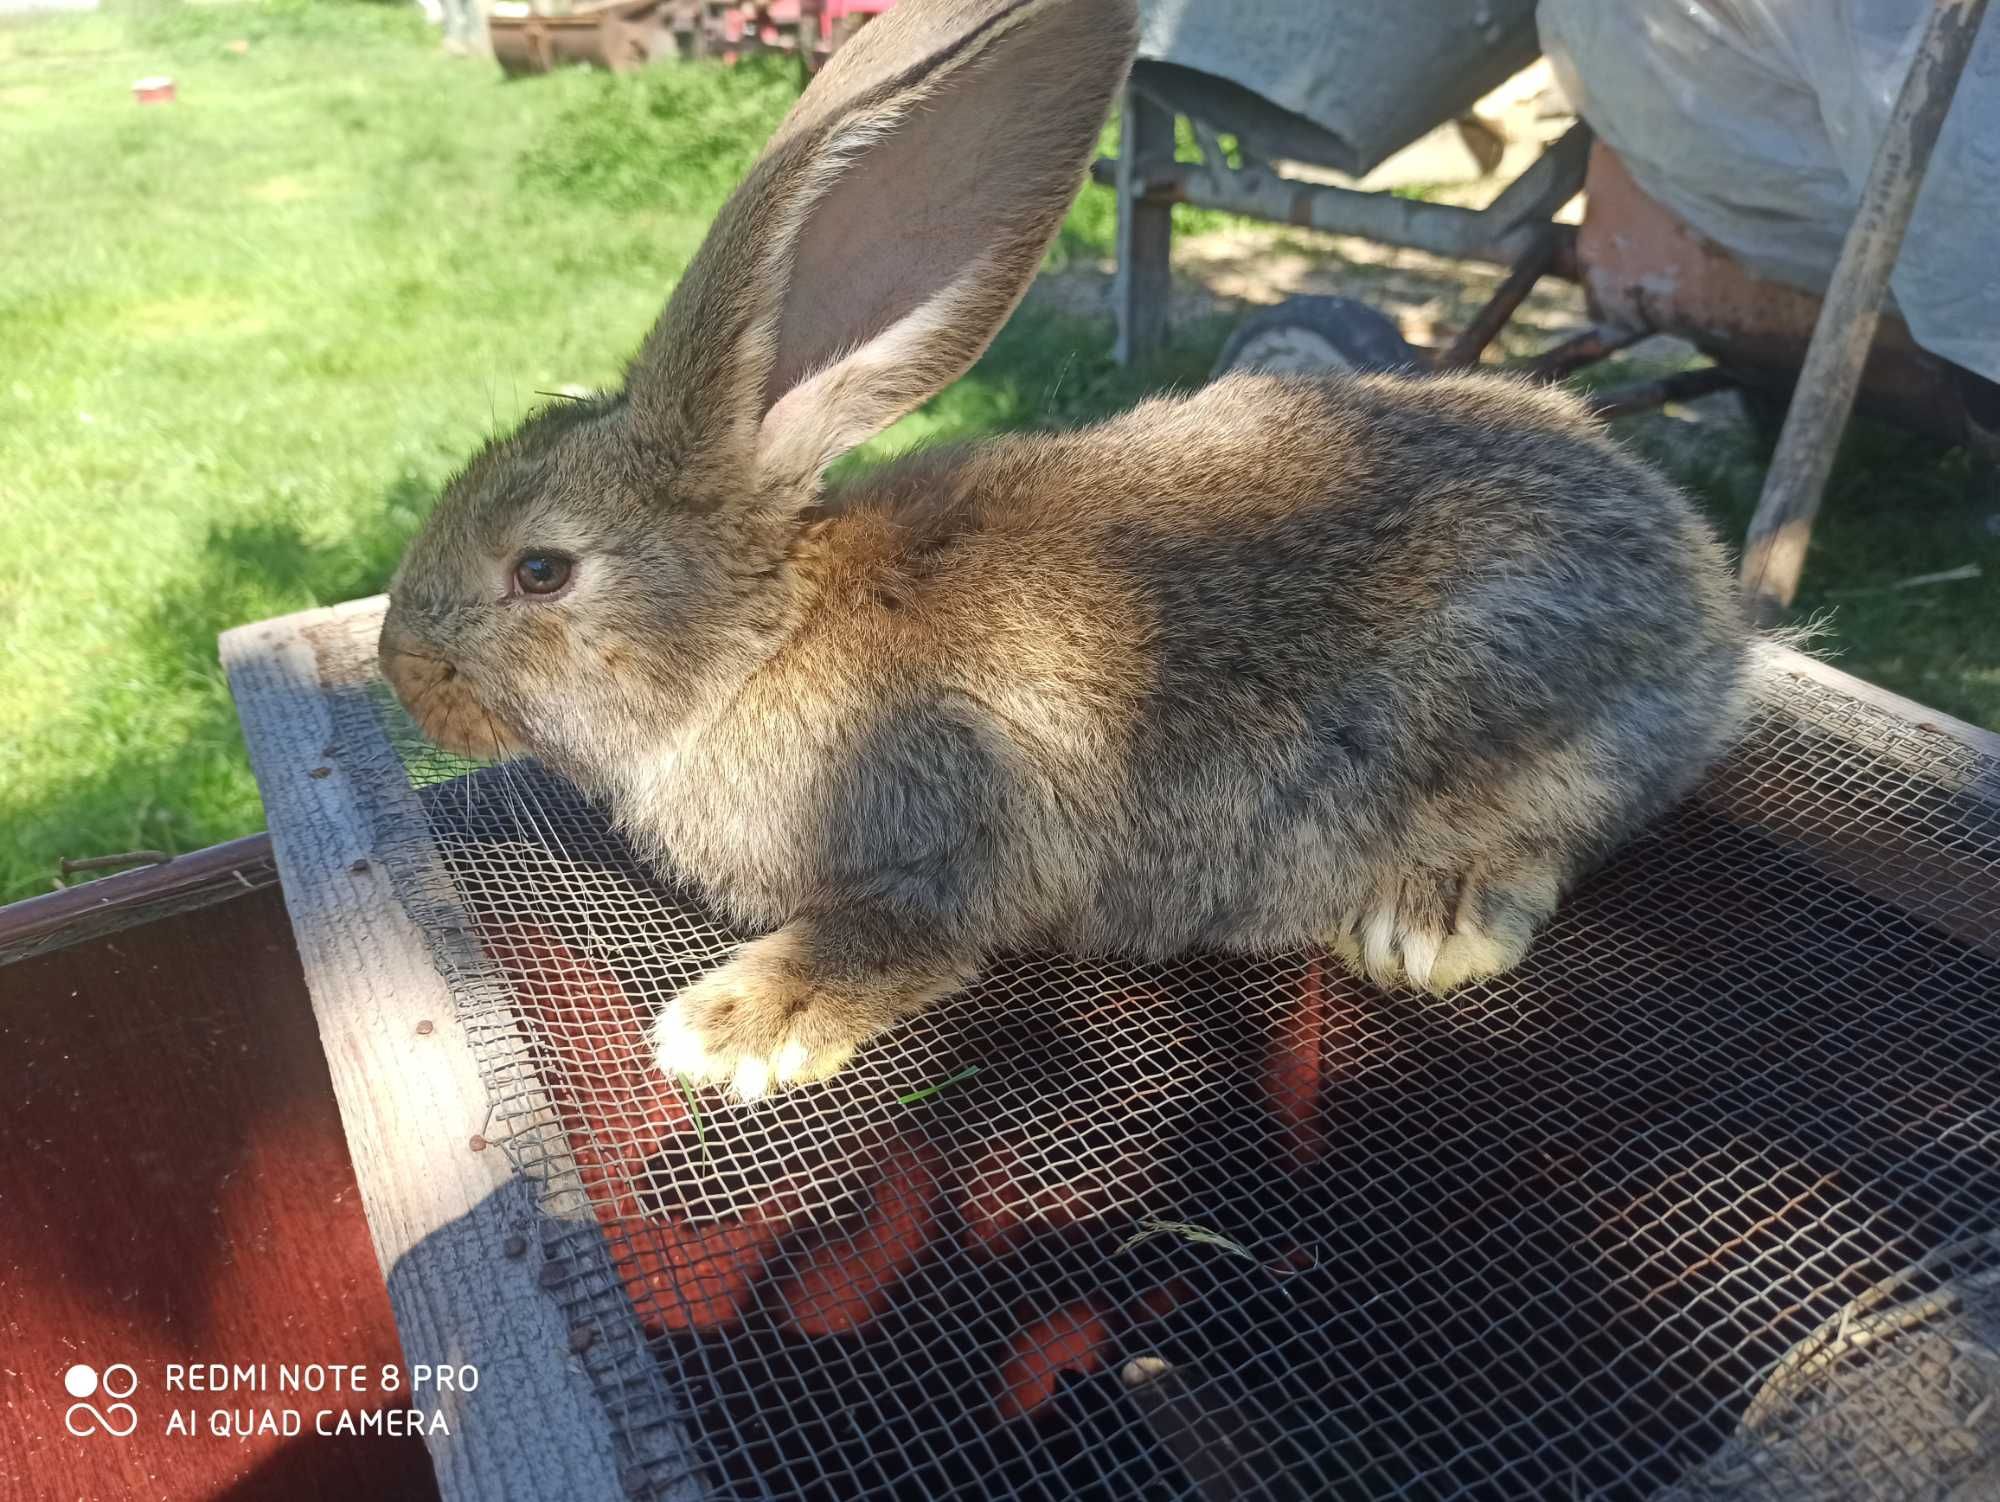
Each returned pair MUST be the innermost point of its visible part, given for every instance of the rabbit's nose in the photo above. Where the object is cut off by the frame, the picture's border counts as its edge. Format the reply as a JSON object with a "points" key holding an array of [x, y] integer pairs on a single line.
{"points": [[411, 670]]}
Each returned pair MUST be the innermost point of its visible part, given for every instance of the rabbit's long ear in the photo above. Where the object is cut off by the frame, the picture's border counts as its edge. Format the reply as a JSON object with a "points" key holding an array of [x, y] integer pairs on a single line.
{"points": [[883, 237]]}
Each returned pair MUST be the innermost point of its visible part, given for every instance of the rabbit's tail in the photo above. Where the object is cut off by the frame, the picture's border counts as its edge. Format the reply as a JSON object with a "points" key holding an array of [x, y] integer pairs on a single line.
{"points": [[1764, 653], [1768, 645]]}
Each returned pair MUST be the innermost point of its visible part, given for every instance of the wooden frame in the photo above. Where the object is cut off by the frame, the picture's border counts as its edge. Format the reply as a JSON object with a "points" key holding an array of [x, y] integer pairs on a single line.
{"points": [[1898, 868], [454, 1227], [37, 925], [444, 1216]]}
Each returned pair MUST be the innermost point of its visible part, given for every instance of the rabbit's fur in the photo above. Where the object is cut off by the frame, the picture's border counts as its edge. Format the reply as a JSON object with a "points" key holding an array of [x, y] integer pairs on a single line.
{"points": [[1380, 662]]}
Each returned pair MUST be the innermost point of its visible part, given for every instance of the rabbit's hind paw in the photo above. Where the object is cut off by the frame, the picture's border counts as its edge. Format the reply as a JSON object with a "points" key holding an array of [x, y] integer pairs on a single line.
{"points": [[1439, 934]]}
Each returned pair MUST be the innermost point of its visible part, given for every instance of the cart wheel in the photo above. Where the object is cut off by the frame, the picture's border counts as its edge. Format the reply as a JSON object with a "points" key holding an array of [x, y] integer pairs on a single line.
{"points": [[1315, 333]]}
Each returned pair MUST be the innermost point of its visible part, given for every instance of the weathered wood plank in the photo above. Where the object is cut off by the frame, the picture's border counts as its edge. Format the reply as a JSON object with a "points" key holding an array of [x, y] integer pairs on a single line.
{"points": [[1972, 737], [411, 1101], [92, 909]]}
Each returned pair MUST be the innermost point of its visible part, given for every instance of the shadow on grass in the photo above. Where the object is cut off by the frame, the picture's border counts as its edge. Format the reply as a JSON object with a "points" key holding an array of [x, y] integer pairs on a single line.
{"points": [[193, 786], [272, 564]]}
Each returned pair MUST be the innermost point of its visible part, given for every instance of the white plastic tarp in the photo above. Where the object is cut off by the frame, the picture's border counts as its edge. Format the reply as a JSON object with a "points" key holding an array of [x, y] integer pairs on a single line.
{"points": [[1757, 121], [1347, 83]]}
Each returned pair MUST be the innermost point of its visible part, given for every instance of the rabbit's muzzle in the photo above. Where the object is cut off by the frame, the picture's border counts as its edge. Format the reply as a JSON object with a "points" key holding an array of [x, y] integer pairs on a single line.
{"points": [[442, 700]]}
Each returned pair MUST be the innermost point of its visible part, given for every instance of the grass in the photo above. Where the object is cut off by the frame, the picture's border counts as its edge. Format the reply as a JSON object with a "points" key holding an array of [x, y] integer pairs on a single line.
{"points": [[917, 1096], [1895, 510], [1194, 1235], [691, 1098], [250, 333]]}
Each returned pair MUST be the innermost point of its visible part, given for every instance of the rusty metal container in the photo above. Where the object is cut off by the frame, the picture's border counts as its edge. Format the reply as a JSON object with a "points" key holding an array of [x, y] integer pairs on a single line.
{"points": [[619, 35]]}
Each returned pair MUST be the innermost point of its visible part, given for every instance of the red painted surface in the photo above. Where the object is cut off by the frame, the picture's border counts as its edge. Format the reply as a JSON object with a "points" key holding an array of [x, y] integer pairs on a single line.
{"points": [[1644, 268], [848, 1280], [592, 1050], [1070, 1340], [834, 1281], [175, 1188], [1291, 1079], [689, 1277]]}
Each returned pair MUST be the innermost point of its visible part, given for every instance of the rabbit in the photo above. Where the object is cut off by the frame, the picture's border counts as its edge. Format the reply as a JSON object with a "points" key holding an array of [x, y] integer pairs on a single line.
{"points": [[1379, 663]]}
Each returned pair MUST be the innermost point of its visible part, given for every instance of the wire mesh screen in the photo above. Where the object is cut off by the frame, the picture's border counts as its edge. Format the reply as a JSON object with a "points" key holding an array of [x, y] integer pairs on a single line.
{"points": [[1702, 1201]]}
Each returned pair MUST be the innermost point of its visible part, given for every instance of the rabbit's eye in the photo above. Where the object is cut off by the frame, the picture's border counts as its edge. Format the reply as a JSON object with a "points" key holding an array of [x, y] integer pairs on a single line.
{"points": [[541, 574]]}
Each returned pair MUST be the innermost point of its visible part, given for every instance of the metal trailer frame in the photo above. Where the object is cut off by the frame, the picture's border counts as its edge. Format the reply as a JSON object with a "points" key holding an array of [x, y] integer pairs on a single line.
{"points": [[1517, 230]]}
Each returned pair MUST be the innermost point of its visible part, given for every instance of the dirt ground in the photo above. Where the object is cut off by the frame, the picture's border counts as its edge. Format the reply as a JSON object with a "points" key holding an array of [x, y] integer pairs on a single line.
{"points": [[1234, 270]]}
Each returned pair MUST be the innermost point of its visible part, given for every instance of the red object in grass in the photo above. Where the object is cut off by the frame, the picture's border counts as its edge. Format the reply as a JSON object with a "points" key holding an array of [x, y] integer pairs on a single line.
{"points": [[153, 90], [1072, 1339], [847, 1281]]}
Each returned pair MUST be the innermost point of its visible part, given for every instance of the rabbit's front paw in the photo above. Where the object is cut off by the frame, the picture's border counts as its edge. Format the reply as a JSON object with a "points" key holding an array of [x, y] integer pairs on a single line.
{"points": [[752, 1027], [794, 1005]]}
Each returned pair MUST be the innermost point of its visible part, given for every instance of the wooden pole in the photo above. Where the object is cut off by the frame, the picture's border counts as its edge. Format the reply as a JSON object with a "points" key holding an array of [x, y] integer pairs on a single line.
{"points": [[1774, 552]]}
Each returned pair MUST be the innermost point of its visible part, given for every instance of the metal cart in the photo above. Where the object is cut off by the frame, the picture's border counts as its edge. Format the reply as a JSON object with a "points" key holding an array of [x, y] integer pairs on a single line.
{"points": [[1644, 272]]}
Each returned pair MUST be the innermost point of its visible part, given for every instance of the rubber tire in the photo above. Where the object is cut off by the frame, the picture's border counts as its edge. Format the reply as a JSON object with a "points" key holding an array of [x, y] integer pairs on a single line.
{"points": [[1316, 333]]}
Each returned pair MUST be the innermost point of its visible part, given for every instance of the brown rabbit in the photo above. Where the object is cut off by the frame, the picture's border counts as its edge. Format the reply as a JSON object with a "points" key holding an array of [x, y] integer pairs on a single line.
{"points": [[1379, 662]]}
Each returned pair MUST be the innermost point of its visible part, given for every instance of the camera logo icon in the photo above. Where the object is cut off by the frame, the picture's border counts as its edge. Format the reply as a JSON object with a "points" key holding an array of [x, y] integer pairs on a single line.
{"points": [[116, 1418]]}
